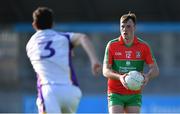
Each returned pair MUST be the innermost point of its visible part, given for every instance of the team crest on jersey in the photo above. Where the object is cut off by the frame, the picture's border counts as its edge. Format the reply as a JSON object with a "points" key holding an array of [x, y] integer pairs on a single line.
{"points": [[128, 63], [138, 54]]}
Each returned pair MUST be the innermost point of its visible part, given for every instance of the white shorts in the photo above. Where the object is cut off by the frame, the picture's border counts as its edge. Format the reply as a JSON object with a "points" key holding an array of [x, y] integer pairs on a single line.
{"points": [[58, 98]]}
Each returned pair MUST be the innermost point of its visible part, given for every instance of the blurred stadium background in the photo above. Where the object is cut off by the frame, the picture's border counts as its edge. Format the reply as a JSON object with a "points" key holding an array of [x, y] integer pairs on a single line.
{"points": [[158, 24]]}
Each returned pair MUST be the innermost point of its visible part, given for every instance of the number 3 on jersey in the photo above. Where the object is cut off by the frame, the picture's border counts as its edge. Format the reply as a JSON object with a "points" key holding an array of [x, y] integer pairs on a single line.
{"points": [[50, 51]]}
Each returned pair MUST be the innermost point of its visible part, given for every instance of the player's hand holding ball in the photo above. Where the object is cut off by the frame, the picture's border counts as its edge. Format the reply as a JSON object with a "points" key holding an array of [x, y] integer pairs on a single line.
{"points": [[122, 79], [146, 79], [133, 80]]}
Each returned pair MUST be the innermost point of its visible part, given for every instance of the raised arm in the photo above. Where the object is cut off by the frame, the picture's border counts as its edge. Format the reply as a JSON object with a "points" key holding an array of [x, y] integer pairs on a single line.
{"points": [[83, 40]]}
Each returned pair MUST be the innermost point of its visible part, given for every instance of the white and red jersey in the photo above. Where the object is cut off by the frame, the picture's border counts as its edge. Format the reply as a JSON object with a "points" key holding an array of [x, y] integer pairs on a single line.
{"points": [[50, 55]]}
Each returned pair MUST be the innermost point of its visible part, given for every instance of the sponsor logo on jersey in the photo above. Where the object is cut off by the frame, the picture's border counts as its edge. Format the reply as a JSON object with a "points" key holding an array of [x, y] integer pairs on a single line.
{"points": [[128, 63]]}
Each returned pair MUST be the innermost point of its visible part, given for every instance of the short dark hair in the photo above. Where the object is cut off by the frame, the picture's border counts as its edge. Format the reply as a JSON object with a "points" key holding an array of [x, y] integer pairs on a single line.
{"points": [[128, 16], [43, 17]]}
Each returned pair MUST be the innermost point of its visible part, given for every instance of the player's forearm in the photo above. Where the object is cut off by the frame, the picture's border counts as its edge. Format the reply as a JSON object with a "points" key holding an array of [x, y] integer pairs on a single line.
{"points": [[108, 73], [88, 47], [153, 71]]}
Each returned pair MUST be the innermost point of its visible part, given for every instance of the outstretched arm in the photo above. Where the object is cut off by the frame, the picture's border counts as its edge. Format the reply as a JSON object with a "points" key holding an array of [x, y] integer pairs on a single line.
{"points": [[82, 39]]}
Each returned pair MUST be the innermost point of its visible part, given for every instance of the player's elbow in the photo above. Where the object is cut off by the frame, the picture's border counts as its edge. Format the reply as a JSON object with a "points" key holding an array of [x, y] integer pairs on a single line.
{"points": [[105, 72]]}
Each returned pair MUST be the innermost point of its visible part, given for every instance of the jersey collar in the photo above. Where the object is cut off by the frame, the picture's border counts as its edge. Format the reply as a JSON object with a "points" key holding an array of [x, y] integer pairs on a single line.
{"points": [[122, 41]]}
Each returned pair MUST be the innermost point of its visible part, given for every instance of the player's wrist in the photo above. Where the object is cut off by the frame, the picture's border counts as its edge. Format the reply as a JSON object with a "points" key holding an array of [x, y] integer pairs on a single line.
{"points": [[121, 77], [147, 75]]}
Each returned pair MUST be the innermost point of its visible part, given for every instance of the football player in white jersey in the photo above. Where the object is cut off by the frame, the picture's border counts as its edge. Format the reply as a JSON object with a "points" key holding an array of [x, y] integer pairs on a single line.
{"points": [[49, 52]]}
